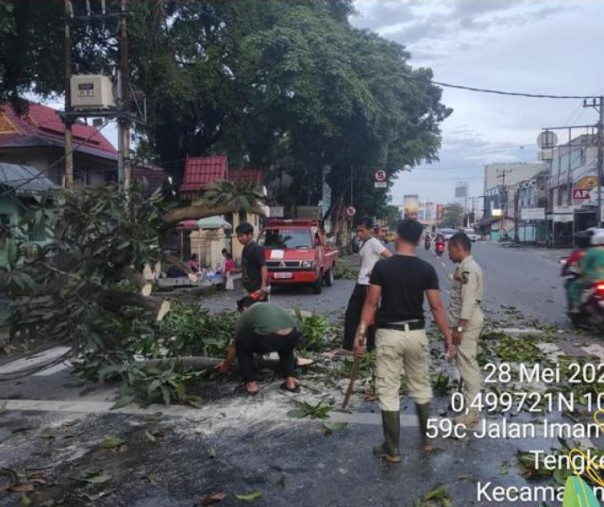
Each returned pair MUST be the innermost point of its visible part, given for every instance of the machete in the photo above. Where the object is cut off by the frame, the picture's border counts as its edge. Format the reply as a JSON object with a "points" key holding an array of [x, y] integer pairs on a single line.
{"points": [[356, 366]]}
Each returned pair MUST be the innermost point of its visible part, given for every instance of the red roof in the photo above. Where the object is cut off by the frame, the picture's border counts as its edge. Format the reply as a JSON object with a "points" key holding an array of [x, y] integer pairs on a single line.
{"points": [[42, 126], [154, 175], [245, 175], [200, 171]]}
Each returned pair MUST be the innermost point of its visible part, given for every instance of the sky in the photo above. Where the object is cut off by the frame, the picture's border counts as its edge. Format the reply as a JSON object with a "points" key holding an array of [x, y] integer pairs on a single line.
{"points": [[532, 46]]}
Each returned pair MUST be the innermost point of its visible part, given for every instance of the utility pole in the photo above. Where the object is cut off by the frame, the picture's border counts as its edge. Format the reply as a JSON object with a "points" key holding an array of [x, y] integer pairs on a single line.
{"points": [[123, 101], [600, 158], [68, 121], [504, 204], [598, 105]]}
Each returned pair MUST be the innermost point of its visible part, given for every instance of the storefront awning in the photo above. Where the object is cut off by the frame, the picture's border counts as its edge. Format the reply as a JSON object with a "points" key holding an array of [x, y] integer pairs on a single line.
{"points": [[215, 222]]}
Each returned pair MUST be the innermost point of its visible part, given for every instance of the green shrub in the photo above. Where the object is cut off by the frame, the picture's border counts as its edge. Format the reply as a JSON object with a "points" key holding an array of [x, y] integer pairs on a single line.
{"points": [[344, 271], [318, 331]]}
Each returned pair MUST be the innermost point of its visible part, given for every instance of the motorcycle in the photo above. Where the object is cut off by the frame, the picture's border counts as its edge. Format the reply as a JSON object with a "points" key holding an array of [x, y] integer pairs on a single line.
{"points": [[591, 305], [440, 248], [428, 243]]}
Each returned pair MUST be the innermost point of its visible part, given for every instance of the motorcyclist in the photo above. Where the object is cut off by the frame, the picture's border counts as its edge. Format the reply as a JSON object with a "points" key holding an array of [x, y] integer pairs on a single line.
{"points": [[572, 270], [592, 264], [439, 241], [427, 240]]}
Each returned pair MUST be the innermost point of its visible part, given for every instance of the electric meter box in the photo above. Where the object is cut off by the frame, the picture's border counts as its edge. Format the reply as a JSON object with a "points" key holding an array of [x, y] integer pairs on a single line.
{"points": [[92, 92]]}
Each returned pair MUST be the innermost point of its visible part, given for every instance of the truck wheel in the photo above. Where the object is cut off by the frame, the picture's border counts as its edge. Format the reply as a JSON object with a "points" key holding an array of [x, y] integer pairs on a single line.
{"points": [[317, 287], [329, 277]]}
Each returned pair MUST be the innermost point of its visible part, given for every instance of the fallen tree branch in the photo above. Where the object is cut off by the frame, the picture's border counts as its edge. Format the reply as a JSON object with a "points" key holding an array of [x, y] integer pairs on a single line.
{"points": [[201, 362], [198, 210], [139, 281], [114, 300], [175, 261]]}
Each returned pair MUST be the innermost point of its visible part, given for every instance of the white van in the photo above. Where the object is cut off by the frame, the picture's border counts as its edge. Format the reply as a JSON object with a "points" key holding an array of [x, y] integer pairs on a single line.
{"points": [[471, 233]]}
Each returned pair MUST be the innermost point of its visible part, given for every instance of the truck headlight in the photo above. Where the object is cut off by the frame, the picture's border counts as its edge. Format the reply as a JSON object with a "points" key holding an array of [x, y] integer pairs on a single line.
{"points": [[308, 264]]}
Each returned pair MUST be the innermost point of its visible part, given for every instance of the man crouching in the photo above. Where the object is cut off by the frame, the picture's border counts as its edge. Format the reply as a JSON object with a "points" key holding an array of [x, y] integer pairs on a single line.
{"points": [[263, 328]]}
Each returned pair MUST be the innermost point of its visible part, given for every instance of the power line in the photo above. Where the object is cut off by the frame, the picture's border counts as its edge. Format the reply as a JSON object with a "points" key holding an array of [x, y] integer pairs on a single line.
{"points": [[513, 94]]}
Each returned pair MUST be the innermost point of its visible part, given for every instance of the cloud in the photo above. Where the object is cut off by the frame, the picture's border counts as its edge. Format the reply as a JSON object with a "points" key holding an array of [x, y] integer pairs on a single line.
{"points": [[517, 45], [378, 15]]}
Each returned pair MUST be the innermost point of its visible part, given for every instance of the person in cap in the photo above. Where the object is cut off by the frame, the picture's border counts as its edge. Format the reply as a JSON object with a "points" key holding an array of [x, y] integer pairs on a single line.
{"points": [[467, 319], [371, 251], [261, 329], [395, 298]]}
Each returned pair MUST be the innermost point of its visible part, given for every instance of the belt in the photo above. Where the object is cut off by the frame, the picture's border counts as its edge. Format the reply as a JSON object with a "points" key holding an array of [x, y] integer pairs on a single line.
{"points": [[405, 325]]}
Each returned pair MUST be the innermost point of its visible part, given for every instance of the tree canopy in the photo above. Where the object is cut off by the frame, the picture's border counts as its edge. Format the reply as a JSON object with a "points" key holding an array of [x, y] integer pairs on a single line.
{"points": [[263, 81], [453, 215]]}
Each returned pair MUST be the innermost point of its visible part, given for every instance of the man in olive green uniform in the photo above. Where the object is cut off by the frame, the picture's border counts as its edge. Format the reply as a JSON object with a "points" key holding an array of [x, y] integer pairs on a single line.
{"points": [[261, 329], [467, 319]]}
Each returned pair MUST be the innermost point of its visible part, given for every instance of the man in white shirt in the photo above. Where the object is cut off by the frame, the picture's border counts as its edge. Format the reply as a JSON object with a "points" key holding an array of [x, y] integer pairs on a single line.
{"points": [[371, 251]]}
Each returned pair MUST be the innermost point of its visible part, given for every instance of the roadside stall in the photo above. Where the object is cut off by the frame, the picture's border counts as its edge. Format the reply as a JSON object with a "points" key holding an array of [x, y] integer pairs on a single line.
{"points": [[199, 244]]}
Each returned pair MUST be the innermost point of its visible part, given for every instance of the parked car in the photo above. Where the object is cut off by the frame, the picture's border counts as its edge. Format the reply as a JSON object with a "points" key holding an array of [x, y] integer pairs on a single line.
{"points": [[471, 233], [296, 252]]}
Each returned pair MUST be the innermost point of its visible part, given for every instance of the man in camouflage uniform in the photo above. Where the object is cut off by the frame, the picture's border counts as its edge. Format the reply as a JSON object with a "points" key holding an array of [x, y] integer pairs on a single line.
{"points": [[467, 319]]}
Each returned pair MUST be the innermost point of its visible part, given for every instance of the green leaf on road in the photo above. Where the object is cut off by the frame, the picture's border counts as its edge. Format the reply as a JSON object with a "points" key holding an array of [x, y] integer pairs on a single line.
{"points": [[330, 427], [438, 496], [249, 497], [150, 437], [297, 413], [112, 442], [318, 411], [211, 453], [504, 468], [25, 500]]}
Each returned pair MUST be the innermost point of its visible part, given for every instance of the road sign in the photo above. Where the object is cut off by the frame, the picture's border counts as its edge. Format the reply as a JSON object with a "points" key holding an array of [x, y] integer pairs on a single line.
{"points": [[380, 184], [547, 140], [582, 194], [350, 211], [380, 175], [532, 214]]}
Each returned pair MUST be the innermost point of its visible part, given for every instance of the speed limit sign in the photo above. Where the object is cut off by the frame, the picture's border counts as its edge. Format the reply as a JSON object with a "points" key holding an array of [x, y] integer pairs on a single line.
{"points": [[350, 211], [380, 175], [380, 179]]}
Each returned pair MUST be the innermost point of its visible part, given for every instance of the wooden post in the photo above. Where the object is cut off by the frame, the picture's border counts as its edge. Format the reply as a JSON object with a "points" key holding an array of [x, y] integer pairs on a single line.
{"points": [[68, 121], [124, 100]]}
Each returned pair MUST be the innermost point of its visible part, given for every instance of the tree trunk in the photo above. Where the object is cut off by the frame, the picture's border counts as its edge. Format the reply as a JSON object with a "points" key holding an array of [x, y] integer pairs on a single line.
{"points": [[201, 362], [197, 210], [139, 280], [114, 300]]}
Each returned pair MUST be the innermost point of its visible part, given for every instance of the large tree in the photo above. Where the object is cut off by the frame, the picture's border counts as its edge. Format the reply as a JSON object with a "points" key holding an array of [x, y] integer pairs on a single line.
{"points": [[259, 80]]}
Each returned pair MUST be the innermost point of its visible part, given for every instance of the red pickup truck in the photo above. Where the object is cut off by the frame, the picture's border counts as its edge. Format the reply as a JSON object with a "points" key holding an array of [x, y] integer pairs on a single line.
{"points": [[296, 253]]}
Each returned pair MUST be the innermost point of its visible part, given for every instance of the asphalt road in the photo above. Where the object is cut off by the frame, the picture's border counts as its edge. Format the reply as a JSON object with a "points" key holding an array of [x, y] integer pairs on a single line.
{"points": [[524, 278], [53, 424]]}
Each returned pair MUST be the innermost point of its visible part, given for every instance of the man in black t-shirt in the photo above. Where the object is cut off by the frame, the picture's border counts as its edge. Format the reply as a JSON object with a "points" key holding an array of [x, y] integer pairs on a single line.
{"points": [[401, 282], [253, 266]]}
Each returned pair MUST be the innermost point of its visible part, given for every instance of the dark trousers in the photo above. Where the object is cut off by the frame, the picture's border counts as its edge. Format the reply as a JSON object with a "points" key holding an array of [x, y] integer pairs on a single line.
{"points": [[251, 344], [352, 317]]}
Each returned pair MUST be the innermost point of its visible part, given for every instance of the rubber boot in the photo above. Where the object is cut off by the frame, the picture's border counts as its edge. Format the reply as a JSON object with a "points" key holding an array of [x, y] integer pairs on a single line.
{"points": [[389, 450], [423, 414]]}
